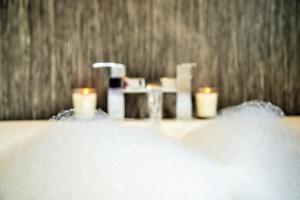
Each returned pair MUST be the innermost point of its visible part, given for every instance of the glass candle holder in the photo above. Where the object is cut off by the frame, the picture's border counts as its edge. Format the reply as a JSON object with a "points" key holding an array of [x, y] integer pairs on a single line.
{"points": [[154, 101], [84, 102], [206, 102]]}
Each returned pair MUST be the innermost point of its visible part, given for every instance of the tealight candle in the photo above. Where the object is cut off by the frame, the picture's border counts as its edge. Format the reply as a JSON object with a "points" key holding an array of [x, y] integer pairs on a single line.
{"points": [[206, 102], [84, 102]]}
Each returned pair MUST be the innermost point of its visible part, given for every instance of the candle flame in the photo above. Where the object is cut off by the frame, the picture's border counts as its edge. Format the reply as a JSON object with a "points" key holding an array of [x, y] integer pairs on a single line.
{"points": [[207, 90], [85, 91]]}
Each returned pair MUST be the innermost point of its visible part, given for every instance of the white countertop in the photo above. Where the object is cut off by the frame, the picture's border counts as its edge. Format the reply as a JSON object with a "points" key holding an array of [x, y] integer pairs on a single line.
{"points": [[12, 132]]}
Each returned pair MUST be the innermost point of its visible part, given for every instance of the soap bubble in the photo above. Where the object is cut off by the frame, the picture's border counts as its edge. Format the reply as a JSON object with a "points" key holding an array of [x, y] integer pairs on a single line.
{"points": [[256, 145], [246, 154], [101, 159], [254, 107]]}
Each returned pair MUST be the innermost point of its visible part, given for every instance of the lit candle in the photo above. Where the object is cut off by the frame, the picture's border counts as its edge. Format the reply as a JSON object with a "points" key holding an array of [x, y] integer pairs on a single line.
{"points": [[84, 102], [206, 102]]}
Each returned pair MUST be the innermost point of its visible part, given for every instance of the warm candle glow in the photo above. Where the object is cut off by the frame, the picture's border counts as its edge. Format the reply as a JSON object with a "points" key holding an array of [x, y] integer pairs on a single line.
{"points": [[85, 90], [84, 102], [206, 102], [207, 90]]}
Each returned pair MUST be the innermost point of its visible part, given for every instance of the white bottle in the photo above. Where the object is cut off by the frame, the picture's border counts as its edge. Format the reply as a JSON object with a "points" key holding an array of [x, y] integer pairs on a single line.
{"points": [[115, 97]]}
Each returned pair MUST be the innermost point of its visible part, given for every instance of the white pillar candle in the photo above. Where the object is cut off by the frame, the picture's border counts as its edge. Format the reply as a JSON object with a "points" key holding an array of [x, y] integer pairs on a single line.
{"points": [[84, 102], [206, 102]]}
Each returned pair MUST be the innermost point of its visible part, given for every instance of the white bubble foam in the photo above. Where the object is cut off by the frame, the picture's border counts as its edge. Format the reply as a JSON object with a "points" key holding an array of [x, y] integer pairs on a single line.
{"points": [[256, 145], [100, 159]]}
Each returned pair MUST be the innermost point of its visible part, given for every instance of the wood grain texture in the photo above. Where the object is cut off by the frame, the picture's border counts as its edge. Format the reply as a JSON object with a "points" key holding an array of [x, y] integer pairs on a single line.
{"points": [[136, 105], [249, 49], [169, 105]]}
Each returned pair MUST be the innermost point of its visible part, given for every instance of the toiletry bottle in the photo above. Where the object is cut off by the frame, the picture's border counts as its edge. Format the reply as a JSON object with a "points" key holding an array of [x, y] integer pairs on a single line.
{"points": [[115, 98], [184, 90]]}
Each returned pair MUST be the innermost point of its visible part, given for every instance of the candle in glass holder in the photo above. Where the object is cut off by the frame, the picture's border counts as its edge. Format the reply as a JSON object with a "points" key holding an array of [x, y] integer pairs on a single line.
{"points": [[84, 102], [206, 102]]}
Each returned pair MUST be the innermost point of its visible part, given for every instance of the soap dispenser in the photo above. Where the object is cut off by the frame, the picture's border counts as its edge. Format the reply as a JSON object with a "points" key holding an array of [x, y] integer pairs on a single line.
{"points": [[115, 98]]}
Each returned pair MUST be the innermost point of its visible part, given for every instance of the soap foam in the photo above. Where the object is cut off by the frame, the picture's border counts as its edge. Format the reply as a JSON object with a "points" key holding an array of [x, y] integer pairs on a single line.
{"points": [[256, 145], [102, 159]]}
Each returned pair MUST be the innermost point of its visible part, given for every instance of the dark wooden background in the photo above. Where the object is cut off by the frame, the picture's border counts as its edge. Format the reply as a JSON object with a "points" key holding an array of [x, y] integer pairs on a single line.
{"points": [[249, 49]]}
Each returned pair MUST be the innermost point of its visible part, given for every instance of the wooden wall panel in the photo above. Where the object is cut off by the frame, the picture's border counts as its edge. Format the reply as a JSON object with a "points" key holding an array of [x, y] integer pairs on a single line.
{"points": [[249, 49]]}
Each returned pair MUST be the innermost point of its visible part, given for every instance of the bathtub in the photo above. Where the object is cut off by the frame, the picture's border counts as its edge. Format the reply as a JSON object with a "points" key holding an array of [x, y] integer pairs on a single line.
{"points": [[14, 132]]}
